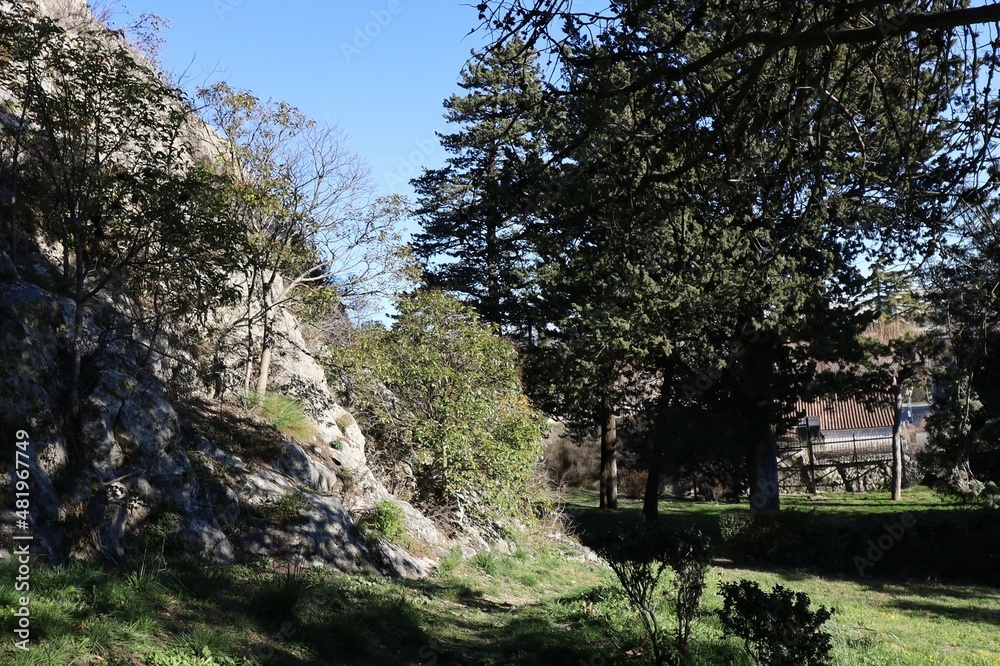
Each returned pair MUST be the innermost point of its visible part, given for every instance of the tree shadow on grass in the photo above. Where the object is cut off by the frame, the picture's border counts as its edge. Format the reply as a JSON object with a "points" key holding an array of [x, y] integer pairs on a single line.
{"points": [[953, 544], [539, 635], [359, 621], [332, 619], [932, 590], [592, 525], [964, 614], [860, 508]]}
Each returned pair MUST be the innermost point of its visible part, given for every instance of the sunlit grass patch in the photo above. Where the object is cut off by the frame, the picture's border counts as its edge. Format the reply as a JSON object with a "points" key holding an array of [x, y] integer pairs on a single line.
{"points": [[543, 603], [287, 416]]}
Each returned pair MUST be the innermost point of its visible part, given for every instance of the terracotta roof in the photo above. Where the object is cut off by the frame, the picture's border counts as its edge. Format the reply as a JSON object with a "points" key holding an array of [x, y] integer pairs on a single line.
{"points": [[846, 414]]}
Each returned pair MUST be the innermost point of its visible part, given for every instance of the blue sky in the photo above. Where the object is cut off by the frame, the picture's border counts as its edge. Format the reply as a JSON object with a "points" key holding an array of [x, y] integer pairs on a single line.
{"points": [[379, 69]]}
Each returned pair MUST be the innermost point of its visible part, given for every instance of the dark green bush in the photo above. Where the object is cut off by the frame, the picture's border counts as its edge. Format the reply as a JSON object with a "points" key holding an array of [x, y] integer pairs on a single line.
{"points": [[734, 524], [777, 628]]}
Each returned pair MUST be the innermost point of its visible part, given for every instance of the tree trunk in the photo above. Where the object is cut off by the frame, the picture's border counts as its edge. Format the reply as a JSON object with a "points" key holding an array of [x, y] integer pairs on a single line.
{"points": [[897, 444], [265, 371], [15, 172], [78, 298], [267, 343], [651, 498], [762, 465], [662, 425], [609, 456], [77, 356]]}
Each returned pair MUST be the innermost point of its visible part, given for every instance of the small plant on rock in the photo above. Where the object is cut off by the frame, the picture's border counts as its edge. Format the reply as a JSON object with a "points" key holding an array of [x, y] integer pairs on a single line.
{"points": [[777, 628], [287, 416], [287, 508], [384, 521]]}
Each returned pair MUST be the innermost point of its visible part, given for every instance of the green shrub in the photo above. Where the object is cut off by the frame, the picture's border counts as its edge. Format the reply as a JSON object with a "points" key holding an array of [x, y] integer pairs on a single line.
{"points": [[640, 557], [384, 521], [454, 412], [777, 628], [689, 557], [734, 524]]}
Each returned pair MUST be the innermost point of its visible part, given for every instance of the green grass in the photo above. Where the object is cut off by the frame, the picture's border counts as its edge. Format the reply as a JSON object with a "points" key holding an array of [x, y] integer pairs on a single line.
{"points": [[189, 615], [883, 623], [542, 604], [286, 415], [878, 621], [579, 504], [283, 413]]}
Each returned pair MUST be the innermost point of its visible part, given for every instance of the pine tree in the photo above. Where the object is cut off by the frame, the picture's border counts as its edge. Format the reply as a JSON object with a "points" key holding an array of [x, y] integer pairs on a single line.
{"points": [[719, 253], [472, 210]]}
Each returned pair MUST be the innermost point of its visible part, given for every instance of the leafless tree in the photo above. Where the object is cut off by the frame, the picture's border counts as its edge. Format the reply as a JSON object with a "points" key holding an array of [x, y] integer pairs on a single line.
{"points": [[311, 213]]}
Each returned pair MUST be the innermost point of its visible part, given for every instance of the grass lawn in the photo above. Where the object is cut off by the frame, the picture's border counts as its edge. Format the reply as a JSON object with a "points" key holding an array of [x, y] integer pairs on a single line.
{"points": [[546, 604], [877, 621]]}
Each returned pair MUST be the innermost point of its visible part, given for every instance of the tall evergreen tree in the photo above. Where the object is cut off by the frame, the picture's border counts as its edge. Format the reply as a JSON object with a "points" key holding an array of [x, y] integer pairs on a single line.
{"points": [[472, 210], [964, 291], [748, 229], [623, 307]]}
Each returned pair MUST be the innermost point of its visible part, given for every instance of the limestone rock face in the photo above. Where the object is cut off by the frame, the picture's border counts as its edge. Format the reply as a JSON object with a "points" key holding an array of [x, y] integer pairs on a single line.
{"points": [[65, 10], [33, 334], [130, 458]]}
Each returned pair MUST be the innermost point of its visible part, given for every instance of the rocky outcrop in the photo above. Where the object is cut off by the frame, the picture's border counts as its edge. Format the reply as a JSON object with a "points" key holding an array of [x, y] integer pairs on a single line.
{"points": [[130, 457], [151, 443]]}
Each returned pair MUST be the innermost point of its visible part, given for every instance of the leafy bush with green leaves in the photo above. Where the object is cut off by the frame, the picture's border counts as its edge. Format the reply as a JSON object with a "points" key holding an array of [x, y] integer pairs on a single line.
{"points": [[689, 556], [777, 628], [640, 557], [734, 523], [440, 392]]}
